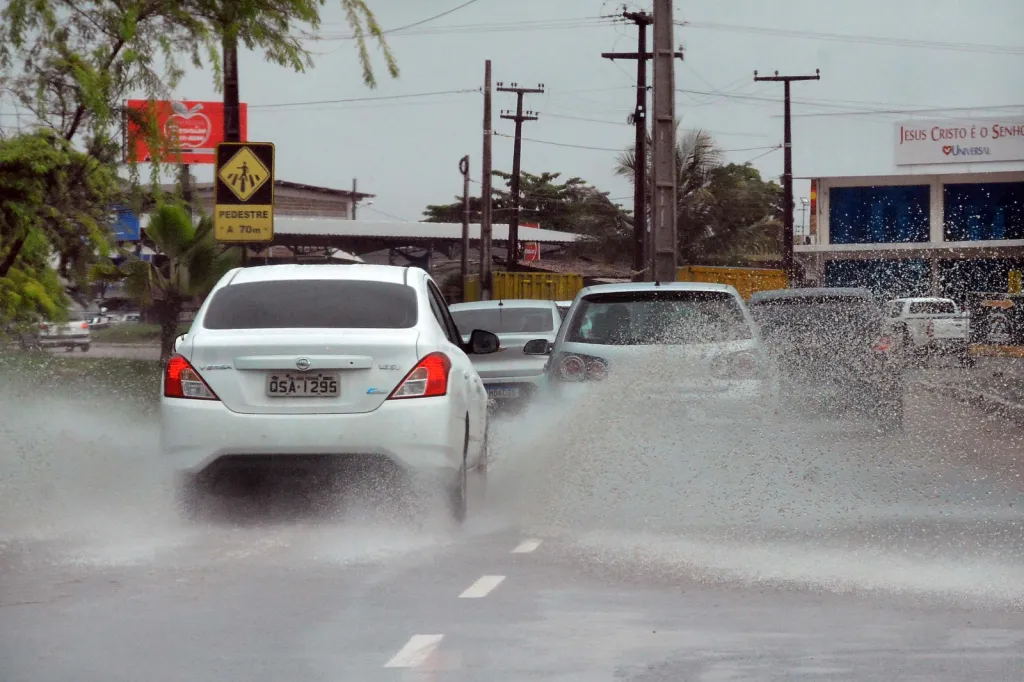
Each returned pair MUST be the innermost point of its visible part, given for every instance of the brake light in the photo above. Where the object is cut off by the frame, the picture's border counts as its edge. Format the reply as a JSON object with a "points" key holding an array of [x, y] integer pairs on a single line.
{"points": [[882, 344], [572, 367], [428, 379], [85, 325], [742, 365], [181, 380]]}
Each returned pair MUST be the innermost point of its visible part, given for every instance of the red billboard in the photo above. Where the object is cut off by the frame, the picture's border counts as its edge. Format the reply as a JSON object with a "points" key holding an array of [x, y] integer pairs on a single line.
{"points": [[531, 250], [191, 130]]}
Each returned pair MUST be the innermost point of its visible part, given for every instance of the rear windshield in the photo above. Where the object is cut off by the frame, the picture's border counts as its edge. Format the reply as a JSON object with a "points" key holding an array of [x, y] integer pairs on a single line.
{"points": [[851, 313], [658, 318], [313, 304], [932, 308], [505, 320]]}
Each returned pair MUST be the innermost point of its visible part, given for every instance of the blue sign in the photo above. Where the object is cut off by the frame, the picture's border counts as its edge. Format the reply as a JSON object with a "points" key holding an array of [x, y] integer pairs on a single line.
{"points": [[126, 227]]}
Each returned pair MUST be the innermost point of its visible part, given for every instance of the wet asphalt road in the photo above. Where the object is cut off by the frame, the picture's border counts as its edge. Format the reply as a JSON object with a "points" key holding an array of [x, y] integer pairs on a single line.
{"points": [[810, 550]]}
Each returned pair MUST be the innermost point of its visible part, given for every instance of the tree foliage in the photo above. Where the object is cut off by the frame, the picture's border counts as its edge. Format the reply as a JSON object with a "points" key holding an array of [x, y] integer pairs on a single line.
{"points": [[31, 289], [55, 192], [190, 265], [723, 212], [571, 205]]}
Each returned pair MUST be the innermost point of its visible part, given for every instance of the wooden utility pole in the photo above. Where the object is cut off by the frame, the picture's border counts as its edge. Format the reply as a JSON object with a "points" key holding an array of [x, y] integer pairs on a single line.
{"points": [[485, 191], [664, 139], [787, 172], [640, 236], [464, 169], [513, 224]]}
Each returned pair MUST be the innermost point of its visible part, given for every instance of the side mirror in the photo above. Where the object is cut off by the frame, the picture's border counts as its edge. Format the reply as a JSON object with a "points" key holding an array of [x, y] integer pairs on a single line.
{"points": [[178, 341], [537, 347], [483, 343]]}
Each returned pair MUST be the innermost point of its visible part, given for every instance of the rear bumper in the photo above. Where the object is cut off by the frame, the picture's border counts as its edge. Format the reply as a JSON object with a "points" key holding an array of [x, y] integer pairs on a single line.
{"points": [[502, 389], [421, 435], [727, 399], [63, 341]]}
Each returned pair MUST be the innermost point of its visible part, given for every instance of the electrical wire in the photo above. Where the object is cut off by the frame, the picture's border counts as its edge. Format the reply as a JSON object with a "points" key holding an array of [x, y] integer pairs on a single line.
{"points": [[547, 114], [429, 19], [278, 105], [612, 149], [534, 25], [852, 38]]}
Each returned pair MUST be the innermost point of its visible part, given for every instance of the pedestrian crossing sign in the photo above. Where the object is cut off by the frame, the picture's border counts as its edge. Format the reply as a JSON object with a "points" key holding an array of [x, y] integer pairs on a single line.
{"points": [[244, 192]]}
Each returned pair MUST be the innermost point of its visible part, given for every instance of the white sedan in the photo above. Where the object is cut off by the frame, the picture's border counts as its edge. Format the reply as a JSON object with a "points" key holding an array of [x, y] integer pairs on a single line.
{"points": [[297, 362]]}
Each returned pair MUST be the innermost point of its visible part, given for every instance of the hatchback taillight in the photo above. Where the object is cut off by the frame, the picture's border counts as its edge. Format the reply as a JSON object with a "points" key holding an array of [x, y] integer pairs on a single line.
{"points": [[575, 367]]}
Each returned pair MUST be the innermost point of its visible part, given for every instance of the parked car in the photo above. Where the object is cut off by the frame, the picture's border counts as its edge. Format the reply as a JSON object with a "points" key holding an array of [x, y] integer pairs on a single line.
{"points": [[511, 376], [70, 335], [718, 358], [289, 365], [831, 351], [932, 326]]}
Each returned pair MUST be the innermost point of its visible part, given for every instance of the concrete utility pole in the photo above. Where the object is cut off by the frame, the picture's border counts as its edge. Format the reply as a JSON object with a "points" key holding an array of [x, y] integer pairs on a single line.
{"points": [[640, 238], [787, 173], [518, 117], [232, 108], [665, 173], [355, 199], [485, 192], [464, 169]]}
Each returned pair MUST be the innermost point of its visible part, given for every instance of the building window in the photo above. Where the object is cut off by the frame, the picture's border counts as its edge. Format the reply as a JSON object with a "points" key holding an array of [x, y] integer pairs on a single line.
{"points": [[983, 210], [888, 279], [879, 215]]}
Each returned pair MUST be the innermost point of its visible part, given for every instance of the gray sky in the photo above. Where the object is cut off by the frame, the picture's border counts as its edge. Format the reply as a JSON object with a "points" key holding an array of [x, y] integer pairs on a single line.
{"points": [[406, 151]]}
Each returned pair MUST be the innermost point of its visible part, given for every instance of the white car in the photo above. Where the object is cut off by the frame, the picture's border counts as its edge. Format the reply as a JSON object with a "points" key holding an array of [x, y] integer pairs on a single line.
{"points": [[930, 325], [297, 362], [716, 355], [74, 333], [510, 376]]}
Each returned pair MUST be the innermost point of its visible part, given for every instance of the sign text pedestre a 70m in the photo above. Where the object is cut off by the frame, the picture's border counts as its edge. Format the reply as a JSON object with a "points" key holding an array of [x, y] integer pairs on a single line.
{"points": [[243, 193]]}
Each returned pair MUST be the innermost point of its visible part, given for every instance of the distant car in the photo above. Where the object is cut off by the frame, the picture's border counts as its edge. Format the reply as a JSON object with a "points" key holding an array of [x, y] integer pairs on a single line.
{"points": [[933, 326], [511, 375], [620, 327], [831, 350], [70, 335], [288, 365]]}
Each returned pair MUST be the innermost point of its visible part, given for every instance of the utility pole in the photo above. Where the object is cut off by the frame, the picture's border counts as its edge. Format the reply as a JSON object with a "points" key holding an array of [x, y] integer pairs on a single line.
{"points": [[232, 108], [787, 172], [355, 199], [663, 231], [518, 117], [464, 169], [485, 191], [640, 246]]}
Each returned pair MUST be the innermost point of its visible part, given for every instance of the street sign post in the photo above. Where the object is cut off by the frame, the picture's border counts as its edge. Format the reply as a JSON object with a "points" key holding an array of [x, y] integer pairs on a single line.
{"points": [[243, 193]]}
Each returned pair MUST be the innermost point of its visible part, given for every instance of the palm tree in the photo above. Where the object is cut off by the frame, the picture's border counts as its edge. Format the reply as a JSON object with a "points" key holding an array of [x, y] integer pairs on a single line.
{"points": [[191, 265], [698, 157]]}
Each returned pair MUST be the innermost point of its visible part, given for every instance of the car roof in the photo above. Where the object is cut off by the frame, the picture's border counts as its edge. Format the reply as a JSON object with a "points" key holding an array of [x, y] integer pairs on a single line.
{"points": [[812, 292], [503, 303], [923, 299], [355, 271], [625, 287]]}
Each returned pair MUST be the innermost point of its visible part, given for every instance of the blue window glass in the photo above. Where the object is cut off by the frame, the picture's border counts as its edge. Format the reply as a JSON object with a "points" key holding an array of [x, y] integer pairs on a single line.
{"points": [[878, 215], [984, 210], [886, 278]]}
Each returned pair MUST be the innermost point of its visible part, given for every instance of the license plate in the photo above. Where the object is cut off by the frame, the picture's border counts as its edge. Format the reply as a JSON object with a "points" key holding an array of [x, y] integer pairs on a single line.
{"points": [[286, 385], [503, 391]]}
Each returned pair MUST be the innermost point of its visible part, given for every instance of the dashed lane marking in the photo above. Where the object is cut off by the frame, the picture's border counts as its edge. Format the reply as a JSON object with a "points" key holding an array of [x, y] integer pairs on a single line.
{"points": [[415, 651], [526, 546], [482, 587]]}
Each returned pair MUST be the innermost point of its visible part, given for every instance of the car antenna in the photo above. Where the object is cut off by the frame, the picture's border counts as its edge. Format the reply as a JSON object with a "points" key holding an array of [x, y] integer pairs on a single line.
{"points": [[657, 283], [500, 303]]}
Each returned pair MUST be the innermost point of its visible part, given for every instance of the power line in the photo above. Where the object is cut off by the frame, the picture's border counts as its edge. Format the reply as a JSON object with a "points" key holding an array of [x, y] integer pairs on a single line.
{"points": [[852, 38], [616, 149], [362, 99], [556, 24], [627, 123]]}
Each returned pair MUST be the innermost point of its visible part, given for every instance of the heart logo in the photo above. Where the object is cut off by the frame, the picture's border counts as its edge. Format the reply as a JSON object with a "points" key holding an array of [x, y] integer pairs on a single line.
{"points": [[947, 150], [192, 129]]}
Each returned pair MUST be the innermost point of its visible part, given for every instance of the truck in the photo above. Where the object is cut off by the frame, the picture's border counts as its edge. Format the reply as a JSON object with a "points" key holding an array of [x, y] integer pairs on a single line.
{"points": [[930, 326]]}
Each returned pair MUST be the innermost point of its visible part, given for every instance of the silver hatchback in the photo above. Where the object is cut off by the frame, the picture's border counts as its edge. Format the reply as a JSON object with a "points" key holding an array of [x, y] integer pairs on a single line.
{"points": [[510, 375]]}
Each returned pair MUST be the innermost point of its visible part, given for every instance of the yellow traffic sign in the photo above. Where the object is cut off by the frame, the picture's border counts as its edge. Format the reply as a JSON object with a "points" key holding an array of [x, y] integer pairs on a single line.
{"points": [[244, 192]]}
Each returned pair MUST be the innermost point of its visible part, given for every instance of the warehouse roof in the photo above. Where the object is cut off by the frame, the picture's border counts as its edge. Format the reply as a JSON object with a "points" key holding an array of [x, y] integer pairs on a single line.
{"points": [[337, 227]]}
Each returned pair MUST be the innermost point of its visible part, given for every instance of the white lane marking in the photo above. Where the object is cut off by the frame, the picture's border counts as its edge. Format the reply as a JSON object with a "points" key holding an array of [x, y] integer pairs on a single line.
{"points": [[526, 546], [415, 651], [482, 587]]}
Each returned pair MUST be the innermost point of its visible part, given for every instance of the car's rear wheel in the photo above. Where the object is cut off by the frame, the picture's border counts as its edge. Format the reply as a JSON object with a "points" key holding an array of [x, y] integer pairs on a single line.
{"points": [[457, 497], [189, 495]]}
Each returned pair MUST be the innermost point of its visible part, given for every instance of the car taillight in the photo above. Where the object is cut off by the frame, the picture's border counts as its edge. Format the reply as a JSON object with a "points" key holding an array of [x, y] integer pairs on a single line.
{"points": [[741, 365], [181, 380], [882, 344], [573, 367], [85, 325], [43, 327], [429, 378]]}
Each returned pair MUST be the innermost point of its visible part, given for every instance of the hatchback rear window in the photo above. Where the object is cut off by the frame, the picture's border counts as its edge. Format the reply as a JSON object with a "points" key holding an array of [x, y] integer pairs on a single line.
{"points": [[313, 304], [663, 318], [932, 308], [505, 320]]}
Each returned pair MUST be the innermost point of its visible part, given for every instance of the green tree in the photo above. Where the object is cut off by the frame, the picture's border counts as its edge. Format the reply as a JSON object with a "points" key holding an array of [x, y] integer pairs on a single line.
{"points": [[31, 289], [191, 264], [572, 205], [723, 212], [52, 190]]}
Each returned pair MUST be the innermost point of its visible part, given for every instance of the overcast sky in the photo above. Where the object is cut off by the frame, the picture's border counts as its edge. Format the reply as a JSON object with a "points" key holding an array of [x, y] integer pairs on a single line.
{"points": [[406, 151]]}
